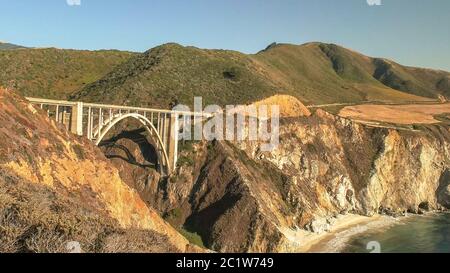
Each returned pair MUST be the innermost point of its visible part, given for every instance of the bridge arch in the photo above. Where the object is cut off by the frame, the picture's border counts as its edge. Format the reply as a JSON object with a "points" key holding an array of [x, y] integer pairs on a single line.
{"points": [[150, 128]]}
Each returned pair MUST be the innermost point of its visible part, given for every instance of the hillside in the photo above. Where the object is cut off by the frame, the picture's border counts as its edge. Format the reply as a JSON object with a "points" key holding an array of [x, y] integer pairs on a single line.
{"points": [[326, 73], [171, 73], [56, 188], [8, 46], [315, 73], [55, 73]]}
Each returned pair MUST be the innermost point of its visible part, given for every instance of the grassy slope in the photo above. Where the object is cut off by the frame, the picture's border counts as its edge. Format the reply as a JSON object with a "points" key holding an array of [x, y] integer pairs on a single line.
{"points": [[8, 46], [322, 73], [315, 73], [55, 73], [172, 73]]}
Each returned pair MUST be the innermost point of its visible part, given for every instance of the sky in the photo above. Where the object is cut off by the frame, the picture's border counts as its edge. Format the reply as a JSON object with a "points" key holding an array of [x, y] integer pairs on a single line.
{"points": [[411, 32]]}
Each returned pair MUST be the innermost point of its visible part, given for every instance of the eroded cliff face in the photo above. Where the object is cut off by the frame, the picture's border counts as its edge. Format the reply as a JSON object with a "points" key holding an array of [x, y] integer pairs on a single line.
{"points": [[357, 169], [242, 200], [34, 150]]}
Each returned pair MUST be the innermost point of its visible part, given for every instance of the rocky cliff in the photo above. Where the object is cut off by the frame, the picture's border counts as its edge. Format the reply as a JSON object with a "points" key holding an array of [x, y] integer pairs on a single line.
{"points": [[56, 188], [240, 199]]}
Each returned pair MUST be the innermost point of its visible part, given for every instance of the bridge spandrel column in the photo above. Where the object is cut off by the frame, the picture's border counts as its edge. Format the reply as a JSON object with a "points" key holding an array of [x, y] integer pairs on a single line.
{"points": [[76, 119], [173, 141]]}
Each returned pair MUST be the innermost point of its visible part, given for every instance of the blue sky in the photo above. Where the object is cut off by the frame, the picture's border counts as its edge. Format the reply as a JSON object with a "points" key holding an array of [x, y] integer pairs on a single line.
{"points": [[412, 32]]}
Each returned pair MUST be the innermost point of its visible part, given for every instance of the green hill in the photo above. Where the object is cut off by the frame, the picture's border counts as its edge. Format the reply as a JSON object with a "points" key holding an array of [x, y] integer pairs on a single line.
{"points": [[315, 73], [171, 73], [55, 73], [8, 46], [327, 73]]}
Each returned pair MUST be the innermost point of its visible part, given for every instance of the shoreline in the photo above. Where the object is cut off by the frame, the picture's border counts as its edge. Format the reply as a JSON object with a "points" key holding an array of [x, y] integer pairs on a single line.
{"points": [[336, 240], [344, 228]]}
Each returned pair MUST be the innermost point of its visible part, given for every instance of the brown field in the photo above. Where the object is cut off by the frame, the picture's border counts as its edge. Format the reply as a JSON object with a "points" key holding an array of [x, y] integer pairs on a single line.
{"points": [[397, 114]]}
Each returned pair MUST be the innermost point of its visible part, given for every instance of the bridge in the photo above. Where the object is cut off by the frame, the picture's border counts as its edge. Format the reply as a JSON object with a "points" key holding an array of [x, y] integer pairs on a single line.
{"points": [[95, 121]]}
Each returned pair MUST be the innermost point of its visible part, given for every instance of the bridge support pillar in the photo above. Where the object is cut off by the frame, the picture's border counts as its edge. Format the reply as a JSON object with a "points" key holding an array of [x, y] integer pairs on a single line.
{"points": [[172, 152], [76, 119]]}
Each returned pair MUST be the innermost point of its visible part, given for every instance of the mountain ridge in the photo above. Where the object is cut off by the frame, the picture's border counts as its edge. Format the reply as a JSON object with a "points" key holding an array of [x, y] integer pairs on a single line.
{"points": [[314, 73], [9, 46]]}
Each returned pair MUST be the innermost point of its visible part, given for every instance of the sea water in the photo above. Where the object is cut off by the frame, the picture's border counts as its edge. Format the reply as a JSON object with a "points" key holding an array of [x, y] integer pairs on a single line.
{"points": [[416, 234]]}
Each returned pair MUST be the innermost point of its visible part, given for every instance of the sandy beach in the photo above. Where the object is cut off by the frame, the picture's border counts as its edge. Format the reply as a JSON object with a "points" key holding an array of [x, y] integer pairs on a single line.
{"points": [[341, 232]]}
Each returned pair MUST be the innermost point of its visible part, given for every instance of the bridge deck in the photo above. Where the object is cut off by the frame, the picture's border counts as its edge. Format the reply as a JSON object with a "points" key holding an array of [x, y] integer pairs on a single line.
{"points": [[118, 107]]}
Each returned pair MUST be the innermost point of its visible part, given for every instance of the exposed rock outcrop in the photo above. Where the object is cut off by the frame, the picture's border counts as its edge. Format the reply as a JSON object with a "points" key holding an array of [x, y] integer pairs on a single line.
{"points": [[443, 192], [289, 106]]}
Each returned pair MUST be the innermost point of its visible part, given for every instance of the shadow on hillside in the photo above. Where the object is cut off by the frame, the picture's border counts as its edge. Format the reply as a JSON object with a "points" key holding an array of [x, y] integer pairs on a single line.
{"points": [[442, 192], [122, 146]]}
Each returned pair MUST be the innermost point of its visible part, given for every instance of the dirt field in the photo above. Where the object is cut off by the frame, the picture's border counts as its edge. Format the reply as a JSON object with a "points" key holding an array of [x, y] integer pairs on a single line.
{"points": [[397, 114]]}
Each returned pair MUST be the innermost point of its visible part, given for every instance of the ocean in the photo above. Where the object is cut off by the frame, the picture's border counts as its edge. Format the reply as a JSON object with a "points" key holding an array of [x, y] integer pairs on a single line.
{"points": [[415, 234]]}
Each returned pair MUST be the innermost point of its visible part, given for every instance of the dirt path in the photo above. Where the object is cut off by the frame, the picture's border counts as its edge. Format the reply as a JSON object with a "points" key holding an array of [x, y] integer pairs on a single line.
{"points": [[427, 102]]}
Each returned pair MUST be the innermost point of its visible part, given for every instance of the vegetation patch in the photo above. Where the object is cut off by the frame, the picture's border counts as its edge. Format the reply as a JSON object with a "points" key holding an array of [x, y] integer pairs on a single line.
{"points": [[174, 216], [192, 237], [55, 73], [79, 151]]}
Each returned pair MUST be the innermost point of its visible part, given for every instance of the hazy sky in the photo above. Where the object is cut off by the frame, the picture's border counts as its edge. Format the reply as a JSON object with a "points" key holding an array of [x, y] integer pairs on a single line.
{"points": [[412, 32]]}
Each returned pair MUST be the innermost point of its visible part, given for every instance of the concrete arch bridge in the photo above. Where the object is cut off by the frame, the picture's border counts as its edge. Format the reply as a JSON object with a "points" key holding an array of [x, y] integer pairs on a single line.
{"points": [[95, 121]]}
